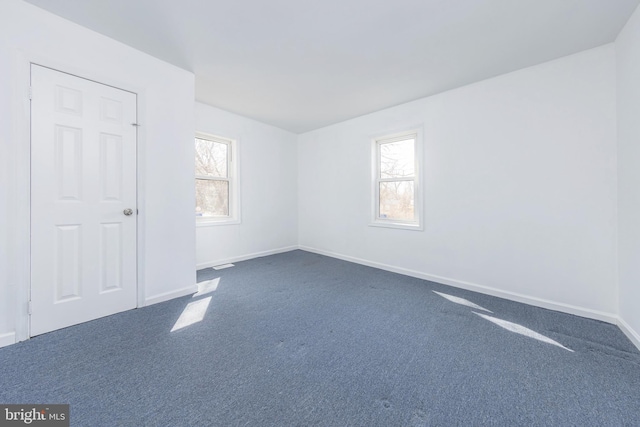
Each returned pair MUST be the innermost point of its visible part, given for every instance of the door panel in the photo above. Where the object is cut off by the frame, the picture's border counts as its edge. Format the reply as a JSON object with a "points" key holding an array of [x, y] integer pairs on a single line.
{"points": [[83, 177]]}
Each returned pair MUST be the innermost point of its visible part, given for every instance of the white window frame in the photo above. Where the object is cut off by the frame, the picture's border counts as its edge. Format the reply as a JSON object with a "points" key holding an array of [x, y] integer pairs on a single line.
{"points": [[376, 142], [233, 178]]}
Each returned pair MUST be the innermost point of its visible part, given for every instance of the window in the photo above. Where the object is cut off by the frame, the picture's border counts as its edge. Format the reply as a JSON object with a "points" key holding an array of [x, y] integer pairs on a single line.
{"points": [[396, 181], [216, 180]]}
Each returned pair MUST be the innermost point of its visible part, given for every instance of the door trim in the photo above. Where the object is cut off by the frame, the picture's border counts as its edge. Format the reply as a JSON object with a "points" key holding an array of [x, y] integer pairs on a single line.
{"points": [[20, 236]]}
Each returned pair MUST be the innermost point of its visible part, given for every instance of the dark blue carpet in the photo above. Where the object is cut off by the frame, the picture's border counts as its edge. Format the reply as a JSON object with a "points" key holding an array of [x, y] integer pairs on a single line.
{"points": [[299, 339]]}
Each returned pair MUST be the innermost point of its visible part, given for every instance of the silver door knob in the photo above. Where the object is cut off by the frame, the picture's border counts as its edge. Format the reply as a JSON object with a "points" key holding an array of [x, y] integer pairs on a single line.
{"points": [[128, 212]]}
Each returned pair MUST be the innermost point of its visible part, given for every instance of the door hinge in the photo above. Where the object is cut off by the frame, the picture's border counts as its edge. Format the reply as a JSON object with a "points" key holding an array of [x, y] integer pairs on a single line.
{"points": [[30, 308]]}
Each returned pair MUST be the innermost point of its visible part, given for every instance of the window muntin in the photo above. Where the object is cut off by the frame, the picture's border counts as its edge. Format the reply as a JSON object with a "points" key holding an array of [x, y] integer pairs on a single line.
{"points": [[214, 179], [396, 172]]}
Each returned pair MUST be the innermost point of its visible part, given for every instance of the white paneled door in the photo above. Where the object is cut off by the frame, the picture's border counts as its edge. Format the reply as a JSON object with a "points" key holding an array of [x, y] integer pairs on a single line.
{"points": [[83, 200]]}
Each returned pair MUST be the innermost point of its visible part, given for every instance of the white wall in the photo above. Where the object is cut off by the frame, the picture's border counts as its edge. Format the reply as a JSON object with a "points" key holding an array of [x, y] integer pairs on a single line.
{"points": [[268, 177], [165, 106], [628, 80], [520, 187], [6, 306]]}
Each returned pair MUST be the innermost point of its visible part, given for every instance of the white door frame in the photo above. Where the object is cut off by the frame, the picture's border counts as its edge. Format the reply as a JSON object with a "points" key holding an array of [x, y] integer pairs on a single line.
{"points": [[20, 235]]}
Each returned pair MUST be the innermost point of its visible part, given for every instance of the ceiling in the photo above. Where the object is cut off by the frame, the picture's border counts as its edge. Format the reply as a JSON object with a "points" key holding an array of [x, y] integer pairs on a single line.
{"points": [[302, 65]]}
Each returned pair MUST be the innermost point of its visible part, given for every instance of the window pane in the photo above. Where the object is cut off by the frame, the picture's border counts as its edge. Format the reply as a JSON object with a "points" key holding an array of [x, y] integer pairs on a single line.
{"points": [[396, 200], [211, 158], [212, 198], [397, 159]]}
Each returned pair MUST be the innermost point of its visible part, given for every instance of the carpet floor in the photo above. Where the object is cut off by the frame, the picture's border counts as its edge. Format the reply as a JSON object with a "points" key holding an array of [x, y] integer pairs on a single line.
{"points": [[299, 339]]}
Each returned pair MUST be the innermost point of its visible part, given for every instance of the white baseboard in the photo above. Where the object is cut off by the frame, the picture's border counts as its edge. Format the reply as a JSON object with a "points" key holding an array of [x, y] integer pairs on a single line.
{"points": [[7, 339], [246, 257], [171, 295], [513, 296], [629, 332]]}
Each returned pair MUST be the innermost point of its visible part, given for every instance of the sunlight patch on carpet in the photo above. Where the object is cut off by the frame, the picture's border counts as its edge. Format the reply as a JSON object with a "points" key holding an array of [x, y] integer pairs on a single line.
{"points": [[462, 301], [193, 313], [519, 329], [207, 287]]}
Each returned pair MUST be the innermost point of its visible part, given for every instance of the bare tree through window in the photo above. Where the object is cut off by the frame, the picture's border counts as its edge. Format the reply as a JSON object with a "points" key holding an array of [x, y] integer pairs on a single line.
{"points": [[396, 180], [212, 178]]}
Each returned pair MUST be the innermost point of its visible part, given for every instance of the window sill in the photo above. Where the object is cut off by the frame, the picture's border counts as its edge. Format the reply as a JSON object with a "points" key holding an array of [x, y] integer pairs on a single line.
{"points": [[214, 222], [398, 225]]}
